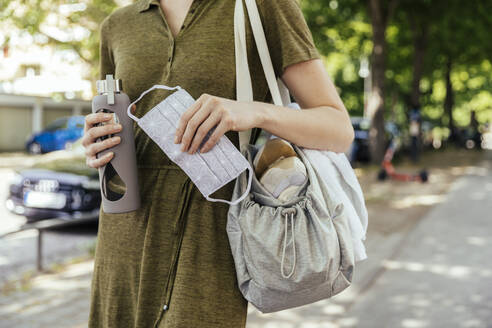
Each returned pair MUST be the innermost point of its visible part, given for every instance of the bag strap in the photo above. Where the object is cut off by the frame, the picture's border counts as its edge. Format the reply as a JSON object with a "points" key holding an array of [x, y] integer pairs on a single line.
{"points": [[244, 89]]}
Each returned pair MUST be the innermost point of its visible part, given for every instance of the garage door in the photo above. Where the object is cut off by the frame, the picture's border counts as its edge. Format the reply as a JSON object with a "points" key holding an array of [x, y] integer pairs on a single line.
{"points": [[51, 114], [15, 127]]}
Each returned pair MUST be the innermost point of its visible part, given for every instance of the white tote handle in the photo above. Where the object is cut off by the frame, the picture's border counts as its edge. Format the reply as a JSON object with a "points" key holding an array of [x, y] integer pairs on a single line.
{"points": [[261, 45], [244, 88]]}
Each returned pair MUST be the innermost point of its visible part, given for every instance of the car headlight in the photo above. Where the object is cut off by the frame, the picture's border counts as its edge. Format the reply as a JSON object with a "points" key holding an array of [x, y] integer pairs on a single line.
{"points": [[16, 179], [91, 184]]}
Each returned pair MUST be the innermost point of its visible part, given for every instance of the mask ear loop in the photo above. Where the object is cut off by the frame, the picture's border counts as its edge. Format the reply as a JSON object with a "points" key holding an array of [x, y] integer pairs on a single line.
{"points": [[157, 86], [248, 188]]}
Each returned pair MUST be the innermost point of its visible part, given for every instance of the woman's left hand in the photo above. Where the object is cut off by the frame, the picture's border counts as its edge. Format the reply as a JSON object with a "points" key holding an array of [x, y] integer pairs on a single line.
{"points": [[209, 111]]}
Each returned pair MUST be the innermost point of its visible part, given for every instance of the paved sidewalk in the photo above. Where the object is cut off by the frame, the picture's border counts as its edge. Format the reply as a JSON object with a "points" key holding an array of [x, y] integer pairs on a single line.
{"points": [[437, 275], [57, 300], [443, 275]]}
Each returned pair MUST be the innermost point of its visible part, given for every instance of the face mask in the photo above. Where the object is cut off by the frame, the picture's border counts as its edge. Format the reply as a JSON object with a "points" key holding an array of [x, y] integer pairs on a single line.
{"points": [[209, 171]]}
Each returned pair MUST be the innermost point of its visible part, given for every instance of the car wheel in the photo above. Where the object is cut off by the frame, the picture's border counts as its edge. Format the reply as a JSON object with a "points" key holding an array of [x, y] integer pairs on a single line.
{"points": [[35, 148]]}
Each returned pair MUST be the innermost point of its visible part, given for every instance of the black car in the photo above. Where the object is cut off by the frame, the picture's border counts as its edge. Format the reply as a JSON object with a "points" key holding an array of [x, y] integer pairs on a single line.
{"points": [[359, 150], [59, 185]]}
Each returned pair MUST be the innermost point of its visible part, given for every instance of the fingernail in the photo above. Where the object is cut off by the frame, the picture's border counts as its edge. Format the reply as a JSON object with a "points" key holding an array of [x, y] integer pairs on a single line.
{"points": [[109, 154], [108, 115], [175, 139], [182, 148]]}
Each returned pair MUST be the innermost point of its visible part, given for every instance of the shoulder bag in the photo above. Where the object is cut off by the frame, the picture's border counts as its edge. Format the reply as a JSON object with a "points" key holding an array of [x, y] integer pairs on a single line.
{"points": [[286, 254]]}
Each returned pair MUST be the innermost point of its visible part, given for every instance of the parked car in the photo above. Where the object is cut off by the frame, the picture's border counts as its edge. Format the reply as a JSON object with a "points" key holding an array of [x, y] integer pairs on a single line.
{"points": [[359, 150], [59, 185], [59, 134]]}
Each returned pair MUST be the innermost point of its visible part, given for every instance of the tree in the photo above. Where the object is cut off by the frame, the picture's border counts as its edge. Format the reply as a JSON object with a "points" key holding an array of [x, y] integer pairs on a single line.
{"points": [[42, 17], [460, 35], [381, 11], [328, 20]]}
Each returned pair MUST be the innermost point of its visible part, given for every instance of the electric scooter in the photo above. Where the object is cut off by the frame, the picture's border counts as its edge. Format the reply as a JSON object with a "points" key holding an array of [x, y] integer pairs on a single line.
{"points": [[388, 170]]}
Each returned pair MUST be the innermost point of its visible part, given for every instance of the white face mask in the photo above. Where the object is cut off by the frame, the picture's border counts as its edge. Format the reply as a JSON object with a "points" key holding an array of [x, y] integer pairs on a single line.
{"points": [[209, 171]]}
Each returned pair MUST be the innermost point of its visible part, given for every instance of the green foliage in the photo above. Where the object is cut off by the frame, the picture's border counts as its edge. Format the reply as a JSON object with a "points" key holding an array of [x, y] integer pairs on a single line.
{"points": [[342, 34], [454, 29], [33, 16]]}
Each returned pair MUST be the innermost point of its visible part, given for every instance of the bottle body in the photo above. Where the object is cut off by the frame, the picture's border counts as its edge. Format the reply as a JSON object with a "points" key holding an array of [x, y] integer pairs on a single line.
{"points": [[118, 178]]}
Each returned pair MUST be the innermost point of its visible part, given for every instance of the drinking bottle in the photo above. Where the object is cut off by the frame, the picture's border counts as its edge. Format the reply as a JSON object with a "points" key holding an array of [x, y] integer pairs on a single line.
{"points": [[118, 178]]}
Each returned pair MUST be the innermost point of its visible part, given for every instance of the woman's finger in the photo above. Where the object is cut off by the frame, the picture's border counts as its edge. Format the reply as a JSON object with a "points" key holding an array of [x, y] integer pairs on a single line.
{"points": [[98, 162], [97, 147], [203, 130], [94, 118], [98, 131], [219, 131], [186, 116], [193, 124]]}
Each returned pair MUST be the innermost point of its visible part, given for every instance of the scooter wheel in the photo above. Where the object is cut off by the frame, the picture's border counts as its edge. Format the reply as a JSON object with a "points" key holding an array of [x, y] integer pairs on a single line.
{"points": [[424, 175], [382, 175]]}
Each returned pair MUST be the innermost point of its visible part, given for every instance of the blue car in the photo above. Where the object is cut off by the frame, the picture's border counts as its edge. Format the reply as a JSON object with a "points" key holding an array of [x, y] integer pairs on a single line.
{"points": [[59, 134]]}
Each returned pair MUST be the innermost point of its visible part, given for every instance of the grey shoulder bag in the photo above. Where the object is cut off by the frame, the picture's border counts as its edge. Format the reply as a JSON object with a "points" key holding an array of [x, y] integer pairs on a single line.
{"points": [[286, 254]]}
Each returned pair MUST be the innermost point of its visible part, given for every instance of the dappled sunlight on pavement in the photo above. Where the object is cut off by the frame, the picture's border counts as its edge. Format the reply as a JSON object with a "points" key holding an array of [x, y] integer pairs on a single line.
{"points": [[50, 300], [429, 249], [428, 262]]}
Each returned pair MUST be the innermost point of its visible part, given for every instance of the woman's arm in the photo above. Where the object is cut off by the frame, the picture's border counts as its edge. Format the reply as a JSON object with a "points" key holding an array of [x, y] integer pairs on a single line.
{"points": [[322, 124]]}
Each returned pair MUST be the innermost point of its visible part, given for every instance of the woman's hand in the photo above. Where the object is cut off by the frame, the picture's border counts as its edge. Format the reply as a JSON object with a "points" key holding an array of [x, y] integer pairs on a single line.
{"points": [[92, 132], [209, 111]]}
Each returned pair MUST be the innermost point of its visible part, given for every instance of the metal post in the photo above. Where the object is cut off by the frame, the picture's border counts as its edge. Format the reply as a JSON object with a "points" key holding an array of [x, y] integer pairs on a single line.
{"points": [[37, 115], [39, 259]]}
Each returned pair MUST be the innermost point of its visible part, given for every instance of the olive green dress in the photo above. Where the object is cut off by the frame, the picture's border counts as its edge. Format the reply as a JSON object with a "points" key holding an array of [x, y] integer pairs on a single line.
{"points": [[169, 264]]}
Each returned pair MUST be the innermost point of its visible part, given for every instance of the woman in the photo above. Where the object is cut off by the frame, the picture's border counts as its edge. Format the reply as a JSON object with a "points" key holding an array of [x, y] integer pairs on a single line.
{"points": [[169, 264]]}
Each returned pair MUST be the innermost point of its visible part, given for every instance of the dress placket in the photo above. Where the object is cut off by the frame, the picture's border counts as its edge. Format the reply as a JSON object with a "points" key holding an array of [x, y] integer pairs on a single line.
{"points": [[186, 189], [187, 185], [173, 40]]}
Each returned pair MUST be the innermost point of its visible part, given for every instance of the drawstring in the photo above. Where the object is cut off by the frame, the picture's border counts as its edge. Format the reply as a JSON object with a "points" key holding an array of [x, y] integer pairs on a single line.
{"points": [[287, 212]]}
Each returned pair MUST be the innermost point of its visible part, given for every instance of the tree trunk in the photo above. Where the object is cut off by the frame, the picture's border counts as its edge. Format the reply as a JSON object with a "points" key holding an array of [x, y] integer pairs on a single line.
{"points": [[419, 33], [449, 103], [375, 107], [419, 47]]}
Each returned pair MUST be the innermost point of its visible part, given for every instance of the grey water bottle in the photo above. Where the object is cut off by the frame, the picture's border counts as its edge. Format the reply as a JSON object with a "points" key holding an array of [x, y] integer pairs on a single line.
{"points": [[119, 177]]}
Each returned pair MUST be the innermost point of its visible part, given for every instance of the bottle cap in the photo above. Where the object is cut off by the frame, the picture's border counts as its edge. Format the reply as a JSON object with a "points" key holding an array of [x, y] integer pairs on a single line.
{"points": [[108, 86]]}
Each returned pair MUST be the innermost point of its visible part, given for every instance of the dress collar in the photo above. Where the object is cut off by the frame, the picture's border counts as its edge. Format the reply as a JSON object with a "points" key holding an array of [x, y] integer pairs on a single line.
{"points": [[143, 5]]}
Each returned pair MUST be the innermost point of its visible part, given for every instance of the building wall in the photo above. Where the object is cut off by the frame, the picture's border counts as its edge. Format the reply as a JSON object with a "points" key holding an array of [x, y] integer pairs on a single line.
{"points": [[17, 117], [51, 114]]}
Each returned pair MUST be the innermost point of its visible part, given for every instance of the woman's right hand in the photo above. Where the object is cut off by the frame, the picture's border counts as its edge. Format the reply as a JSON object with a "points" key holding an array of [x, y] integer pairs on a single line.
{"points": [[92, 132]]}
